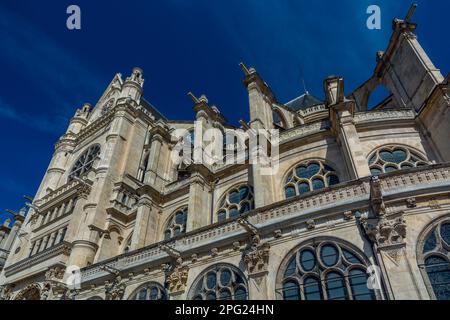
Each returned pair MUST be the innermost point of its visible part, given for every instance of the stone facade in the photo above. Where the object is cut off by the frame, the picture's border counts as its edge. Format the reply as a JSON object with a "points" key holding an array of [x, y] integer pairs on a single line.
{"points": [[139, 226]]}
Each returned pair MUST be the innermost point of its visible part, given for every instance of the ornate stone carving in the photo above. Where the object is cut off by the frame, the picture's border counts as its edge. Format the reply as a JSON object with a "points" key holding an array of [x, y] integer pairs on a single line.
{"points": [[310, 224], [55, 274], [115, 289], [434, 204], [45, 292], [277, 234], [411, 202], [176, 277], [214, 252], [386, 231], [6, 292], [348, 215], [376, 197], [257, 258]]}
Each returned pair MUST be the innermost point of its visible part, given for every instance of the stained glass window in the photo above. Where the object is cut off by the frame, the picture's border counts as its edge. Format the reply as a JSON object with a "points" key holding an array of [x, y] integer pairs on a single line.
{"points": [[236, 202], [393, 158], [325, 270], [435, 260], [309, 176], [220, 282], [85, 162], [177, 224]]}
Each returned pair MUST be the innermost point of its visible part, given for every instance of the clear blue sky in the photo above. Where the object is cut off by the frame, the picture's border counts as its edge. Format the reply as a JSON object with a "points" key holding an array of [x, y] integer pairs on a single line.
{"points": [[196, 45]]}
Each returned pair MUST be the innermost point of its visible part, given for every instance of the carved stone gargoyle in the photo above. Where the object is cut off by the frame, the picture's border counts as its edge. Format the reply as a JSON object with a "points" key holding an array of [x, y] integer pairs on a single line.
{"points": [[176, 277], [387, 231], [257, 254]]}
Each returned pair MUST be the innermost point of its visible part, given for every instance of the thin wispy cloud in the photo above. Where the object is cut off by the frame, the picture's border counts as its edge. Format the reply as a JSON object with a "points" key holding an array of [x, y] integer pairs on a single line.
{"points": [[51, 124], [51, 69]]}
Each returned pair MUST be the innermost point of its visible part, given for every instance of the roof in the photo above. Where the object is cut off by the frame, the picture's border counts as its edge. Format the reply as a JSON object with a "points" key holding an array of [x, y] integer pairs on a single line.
{"points": [[305, 101], [158, 115]]}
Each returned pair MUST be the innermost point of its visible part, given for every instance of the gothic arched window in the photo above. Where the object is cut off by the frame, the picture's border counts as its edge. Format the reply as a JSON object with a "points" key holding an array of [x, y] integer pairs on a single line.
{"points": [[324, 270], [177, 224], [308, 176], [236, 202], [220, 282], [393, 158], [149, 291], [85, 162], [434, 260]]}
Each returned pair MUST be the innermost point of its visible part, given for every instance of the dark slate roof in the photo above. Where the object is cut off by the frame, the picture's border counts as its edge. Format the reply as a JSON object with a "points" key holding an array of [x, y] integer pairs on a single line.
{"points": [[303, 102], [158, 115]]}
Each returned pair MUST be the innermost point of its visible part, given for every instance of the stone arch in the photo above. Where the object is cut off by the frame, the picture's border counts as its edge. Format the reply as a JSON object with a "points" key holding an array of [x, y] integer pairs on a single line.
{"points": [[153, 291], [283, 121], [170, 223], [433, 243], [323, 162], [31, 292], [349, 258], [237, 284], [223, 204]]}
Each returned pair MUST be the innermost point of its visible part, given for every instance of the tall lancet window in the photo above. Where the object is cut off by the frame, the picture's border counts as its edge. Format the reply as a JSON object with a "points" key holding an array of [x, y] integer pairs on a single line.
{"points": [[85, 162], [177, 224], [324, 269], [236, 202], [434, 259]]}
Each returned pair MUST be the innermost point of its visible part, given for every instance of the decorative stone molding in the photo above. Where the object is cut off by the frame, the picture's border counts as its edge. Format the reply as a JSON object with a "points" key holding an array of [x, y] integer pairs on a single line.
{"points": [[277, 234], [383, 115], [348, 215], [257, 258], [214, 252], [6, 291], [55, 274], [236, 246], [434, 204], [63, 248], [310, 224], [411, 202], [304, 130], [386, 231], [177, 279], [115, 289]]}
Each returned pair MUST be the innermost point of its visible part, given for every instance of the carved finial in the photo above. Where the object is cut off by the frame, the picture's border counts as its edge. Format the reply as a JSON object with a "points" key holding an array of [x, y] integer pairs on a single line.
{"points": [[194, 98], [410, 13], [203, 98], [244, 68]]}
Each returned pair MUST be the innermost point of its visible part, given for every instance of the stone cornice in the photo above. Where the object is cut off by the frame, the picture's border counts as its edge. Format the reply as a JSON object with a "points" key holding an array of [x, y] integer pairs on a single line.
{"points": [[308, 212], [383, 116], [62, 248], [304, 131], [63, 193]]}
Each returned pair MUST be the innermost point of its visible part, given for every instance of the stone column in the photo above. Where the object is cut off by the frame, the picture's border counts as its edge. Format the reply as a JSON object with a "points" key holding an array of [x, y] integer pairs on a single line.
{"points": [[343, 127], [261, 100], [82, 253], [199, 208], [146, 225], [153, 159], [13, 233]]}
